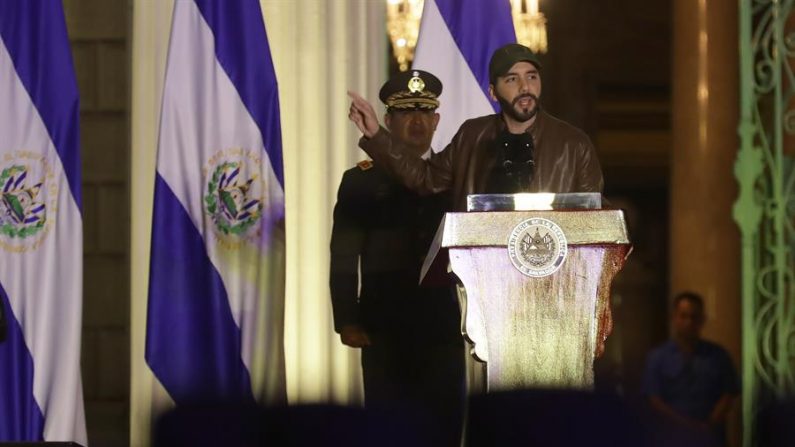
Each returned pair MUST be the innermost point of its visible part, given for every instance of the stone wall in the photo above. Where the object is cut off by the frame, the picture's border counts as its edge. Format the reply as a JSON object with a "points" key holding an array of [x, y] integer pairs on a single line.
{"points": [[99, 34]]}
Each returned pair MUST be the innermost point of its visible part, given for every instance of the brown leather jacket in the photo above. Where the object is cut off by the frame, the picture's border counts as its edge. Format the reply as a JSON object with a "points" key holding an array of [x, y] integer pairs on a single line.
{"points": [[565, 159]]}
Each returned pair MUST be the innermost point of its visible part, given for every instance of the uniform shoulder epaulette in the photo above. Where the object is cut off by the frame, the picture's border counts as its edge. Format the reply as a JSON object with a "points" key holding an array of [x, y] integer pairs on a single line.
{"points": [[365, 164]]}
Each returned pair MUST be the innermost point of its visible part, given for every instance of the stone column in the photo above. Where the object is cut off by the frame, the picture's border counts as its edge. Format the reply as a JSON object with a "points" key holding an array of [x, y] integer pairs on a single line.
{"points": [[705, 248]]}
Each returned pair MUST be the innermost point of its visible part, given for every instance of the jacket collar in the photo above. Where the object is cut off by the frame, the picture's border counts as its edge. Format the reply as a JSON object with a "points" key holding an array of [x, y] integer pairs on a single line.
{"points": [[534, 130]]}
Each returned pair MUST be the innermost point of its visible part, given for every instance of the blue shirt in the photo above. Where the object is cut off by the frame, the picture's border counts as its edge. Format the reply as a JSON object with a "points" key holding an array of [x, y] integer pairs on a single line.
{"points": [[690, 384]]}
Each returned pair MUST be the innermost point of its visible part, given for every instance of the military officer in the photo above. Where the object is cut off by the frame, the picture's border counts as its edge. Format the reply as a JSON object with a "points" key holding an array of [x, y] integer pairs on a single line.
{"points": [[412, 349]]}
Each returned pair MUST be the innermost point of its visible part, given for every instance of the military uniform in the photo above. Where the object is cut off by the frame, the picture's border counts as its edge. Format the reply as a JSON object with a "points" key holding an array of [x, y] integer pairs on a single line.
{"points": [[417, 353], [389, 229]]}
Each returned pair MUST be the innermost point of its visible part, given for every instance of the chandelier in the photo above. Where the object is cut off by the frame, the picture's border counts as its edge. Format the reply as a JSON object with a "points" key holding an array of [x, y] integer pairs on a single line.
{"points": [[403, 27], [530, 25]]}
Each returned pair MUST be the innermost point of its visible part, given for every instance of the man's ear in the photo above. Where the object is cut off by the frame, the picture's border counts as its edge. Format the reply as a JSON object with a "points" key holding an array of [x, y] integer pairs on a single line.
{"points": [[491, 92], [388, 121], [435, 120]]}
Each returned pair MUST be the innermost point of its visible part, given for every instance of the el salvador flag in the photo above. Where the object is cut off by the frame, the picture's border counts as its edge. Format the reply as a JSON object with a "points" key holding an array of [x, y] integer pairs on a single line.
{"points": [[41, 236], [216, 290], [456, 41]]}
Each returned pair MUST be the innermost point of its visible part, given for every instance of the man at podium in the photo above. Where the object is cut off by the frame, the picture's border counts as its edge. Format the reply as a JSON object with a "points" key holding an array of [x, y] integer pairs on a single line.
{"points": [[521, 149]]}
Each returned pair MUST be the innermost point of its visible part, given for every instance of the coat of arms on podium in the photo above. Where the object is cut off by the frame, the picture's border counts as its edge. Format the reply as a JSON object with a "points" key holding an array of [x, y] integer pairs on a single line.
{"points": [[537, 247]]}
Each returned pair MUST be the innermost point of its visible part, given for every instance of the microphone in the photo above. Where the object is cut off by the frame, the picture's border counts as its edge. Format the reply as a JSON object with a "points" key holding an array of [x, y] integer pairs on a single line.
{"points": [[518, 160], [513, 169]]}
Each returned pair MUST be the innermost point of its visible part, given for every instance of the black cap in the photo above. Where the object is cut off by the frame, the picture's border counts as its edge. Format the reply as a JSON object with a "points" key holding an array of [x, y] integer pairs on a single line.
{"points": [[411, 90], [504, 57]]}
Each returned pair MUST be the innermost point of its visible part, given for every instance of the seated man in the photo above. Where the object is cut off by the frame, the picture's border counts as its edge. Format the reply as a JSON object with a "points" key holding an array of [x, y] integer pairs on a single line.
{"points": [[691, 382]]}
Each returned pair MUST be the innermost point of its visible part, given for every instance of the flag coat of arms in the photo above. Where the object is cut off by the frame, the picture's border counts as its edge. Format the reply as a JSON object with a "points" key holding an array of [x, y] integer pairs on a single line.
{"points": [[41, 236], [215, 313]]}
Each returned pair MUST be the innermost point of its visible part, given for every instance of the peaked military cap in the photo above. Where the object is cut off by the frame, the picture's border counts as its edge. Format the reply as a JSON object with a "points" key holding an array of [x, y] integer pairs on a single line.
{"points": [[411, 90]]}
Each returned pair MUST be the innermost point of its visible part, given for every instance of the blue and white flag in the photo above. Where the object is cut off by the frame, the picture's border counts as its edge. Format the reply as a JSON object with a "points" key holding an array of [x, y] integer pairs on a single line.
{"points": [[456, 41], [216, 290], [41, 236]]}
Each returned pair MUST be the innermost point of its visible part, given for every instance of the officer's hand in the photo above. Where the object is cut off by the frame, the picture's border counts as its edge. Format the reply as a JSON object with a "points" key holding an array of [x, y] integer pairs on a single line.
{"points": [[354, 336], [363, 115]]}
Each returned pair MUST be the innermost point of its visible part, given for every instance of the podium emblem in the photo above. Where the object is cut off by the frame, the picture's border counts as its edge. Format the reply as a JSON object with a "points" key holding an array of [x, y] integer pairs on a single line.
{"points": [[537, 247]]}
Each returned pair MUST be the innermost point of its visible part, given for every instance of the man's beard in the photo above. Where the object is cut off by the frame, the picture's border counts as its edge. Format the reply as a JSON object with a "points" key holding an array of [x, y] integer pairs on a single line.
{"points": [[520, 115]]}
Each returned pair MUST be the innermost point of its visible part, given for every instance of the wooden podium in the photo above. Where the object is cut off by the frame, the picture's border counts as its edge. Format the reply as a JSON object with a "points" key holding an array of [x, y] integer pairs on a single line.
{"points": [[537, 304]]}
